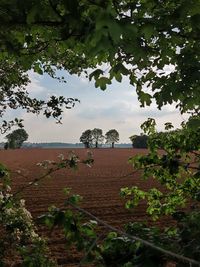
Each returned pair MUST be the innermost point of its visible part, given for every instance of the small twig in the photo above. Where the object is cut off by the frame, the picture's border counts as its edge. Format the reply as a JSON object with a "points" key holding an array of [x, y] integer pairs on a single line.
{"points": [[129, 174], [195, 153], [194, 168], [89, 250]]}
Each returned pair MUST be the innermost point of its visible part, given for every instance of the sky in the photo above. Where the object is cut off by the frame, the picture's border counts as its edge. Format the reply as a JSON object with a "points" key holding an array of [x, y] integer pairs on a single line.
{"points": [[115, 108]]}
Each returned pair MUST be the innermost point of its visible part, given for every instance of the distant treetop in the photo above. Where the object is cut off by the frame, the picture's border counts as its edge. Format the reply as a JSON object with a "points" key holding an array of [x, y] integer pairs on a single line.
{"points": [[16, 138]]}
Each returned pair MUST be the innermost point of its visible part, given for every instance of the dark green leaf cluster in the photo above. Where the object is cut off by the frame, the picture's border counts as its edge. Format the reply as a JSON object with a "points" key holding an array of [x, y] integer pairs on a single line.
{"points": [[138, 39], [139, 141], [36, 255], [77, 230], [181, 238]]}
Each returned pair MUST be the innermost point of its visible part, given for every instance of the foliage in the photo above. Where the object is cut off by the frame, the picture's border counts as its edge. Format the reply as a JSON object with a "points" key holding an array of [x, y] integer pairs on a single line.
{"points": [[7, 125], [176, 169], [93, 137], [119, 250], [139, 141], [181, 238], [13, 95], [112, 136], [138, 39], [77, 231], [18, 232], [16, 138], [86, 138]]}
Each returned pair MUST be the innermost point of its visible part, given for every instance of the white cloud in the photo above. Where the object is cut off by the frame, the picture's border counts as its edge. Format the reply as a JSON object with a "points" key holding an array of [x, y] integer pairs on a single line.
{"points": [[117, 107], [35, 88]]}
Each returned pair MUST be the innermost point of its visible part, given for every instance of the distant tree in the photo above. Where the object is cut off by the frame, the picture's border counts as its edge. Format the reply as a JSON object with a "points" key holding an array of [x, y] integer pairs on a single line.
{"points": [[139, 141], [6, 146], [97, 136], [132, 138], [86, 138], [16, 138], [112, 136]]}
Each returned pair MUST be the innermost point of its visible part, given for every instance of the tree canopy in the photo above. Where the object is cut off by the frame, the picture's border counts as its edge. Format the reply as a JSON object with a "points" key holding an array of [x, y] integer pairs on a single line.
{"points": [[16, 138], [97, 136], [138, 39], [86, 138], [139, 141], [112, 136]]}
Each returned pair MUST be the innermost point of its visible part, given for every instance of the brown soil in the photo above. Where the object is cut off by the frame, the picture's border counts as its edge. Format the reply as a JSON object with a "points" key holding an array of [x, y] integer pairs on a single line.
{"points": [[99, 186]]}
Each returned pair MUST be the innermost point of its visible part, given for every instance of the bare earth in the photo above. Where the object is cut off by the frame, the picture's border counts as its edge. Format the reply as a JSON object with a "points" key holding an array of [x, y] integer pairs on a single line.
{"points": [[99, 186]]}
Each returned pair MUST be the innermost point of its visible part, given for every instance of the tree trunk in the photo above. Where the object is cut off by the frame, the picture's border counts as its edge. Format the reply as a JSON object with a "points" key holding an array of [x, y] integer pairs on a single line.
{"points": [[112, 144], [96, 144]]}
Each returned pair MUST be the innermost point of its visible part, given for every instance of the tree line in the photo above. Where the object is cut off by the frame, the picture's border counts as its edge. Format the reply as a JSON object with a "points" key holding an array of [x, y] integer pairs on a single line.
{"points": [[95, 137], [90, 138]]}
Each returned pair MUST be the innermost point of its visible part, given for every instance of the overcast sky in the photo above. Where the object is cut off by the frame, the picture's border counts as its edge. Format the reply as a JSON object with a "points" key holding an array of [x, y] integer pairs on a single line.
{"points": [[115, 108]]}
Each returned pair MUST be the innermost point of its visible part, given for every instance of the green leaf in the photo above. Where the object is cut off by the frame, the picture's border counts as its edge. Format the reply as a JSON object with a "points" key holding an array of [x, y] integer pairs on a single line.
{"points": [[66, 190], [118, 77], [115, 30], [144, 98], [148, 30], [168, 126], [38, 68], [102, 82], [112, 235], [194, 123], [75, 199], [95, 74]]}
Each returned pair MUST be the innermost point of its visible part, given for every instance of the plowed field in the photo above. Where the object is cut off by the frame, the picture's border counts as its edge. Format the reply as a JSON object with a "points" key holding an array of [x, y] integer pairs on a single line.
{"points": [[99, 186]]}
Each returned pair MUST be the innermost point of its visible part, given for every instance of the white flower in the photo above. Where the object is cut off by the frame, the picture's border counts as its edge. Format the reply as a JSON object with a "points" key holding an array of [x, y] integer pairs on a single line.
{"points": [[61, 156], [22, 202], [17, 234], [33, 234], [9, 211], [8, 188], [26, 213]]}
